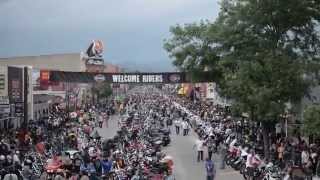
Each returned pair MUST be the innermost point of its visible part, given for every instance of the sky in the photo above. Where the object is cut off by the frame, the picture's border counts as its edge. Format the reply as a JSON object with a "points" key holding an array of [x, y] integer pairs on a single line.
{"points": [[133, 31]]}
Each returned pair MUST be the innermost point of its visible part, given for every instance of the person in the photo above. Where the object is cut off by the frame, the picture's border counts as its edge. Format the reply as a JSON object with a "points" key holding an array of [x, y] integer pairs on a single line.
{"points": [[185, 127], [251, 163], [106, 166], [92, 171], [136, 176], [306, 161], [177, 124], [100, 118], [106, 120], [199, 145], [170, 176], [210, 146], [223, 153], [188, 127], [210, 169], [280, 151]]}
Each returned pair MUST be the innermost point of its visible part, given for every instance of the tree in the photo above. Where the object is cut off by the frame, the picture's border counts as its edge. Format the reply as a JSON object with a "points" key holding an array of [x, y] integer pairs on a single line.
{"points": [[271, 43], [192, 48], [262, 50], [311, 123], [101, 90], [105, 91]]}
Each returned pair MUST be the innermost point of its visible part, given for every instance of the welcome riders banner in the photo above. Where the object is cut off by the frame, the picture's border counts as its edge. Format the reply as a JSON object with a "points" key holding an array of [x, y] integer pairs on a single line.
{"points": [[87, 77]]}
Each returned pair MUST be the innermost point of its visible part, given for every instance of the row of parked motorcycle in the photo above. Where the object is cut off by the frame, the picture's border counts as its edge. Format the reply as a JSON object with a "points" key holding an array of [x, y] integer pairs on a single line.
{"points": [[236, 156]]}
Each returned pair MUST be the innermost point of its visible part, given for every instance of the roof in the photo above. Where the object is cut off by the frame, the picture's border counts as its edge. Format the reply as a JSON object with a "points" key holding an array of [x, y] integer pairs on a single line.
{"points": [[62, 62]]}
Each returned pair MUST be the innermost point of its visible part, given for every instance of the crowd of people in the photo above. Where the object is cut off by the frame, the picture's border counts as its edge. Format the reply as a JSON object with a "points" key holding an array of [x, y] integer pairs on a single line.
{"points": [[239, 143], [68, 145]]}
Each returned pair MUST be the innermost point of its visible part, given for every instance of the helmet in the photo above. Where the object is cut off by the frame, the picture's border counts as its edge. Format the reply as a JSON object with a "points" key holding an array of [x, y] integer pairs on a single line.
{"points": [[9, 158], [2, 158], [28, 161]]}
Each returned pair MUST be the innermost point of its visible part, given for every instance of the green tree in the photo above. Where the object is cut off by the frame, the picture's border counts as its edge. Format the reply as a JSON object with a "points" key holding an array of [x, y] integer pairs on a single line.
{"points": [[311, 123], [105, 90], [100, 90], [262, 50], [193, 49]]}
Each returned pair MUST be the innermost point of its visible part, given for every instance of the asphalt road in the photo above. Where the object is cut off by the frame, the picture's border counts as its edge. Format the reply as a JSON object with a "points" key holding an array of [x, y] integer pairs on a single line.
{"points": [[181, 149], [186, 166], [111, 130]]}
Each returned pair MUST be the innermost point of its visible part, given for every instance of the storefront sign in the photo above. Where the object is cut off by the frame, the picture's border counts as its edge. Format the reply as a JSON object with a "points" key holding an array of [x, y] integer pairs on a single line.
{"points": [[15, 84], [44, 79]]}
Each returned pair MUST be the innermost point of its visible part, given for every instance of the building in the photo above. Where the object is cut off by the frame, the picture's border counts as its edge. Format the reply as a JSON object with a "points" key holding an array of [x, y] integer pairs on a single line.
{"points": [[16, 99], [61, 62], [45, 94], [110, 68], [42, 95]]}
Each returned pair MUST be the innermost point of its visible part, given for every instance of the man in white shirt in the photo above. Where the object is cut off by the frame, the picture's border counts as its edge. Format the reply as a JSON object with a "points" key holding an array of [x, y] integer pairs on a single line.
{"points": [[305, 157], [199, 145], [177, 124], [185, 127]]}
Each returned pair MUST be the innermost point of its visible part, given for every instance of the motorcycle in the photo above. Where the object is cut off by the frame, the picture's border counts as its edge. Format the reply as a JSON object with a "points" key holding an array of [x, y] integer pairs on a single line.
{"points": [[272, 172]]}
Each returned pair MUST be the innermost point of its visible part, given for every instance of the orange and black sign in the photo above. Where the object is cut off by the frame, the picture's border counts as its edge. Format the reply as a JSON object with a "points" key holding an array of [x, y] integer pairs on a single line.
{"points": [[44, 79], [44, 75]]}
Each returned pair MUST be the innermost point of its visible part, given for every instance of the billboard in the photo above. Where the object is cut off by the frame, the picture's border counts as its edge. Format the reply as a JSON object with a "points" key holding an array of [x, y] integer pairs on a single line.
{"points": [[44, 79], [15, 89], [94, 53], [95, 49]]}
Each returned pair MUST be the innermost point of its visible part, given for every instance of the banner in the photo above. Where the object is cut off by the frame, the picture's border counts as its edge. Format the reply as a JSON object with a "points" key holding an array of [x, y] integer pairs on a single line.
{"points": [[122, 78]]}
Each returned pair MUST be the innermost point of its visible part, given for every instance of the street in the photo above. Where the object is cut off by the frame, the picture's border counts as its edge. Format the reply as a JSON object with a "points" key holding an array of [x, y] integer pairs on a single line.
{"points": [[185, 159], [111, 130], [181, 149]]}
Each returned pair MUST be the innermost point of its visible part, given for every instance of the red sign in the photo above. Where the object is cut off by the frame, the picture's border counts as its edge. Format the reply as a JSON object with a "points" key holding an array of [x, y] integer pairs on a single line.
{"points": [[44, 79], [44, 75]]}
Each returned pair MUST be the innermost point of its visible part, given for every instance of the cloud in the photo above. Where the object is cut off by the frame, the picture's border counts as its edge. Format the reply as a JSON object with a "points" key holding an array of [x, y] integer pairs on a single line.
{"points": [[133, 30]]}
